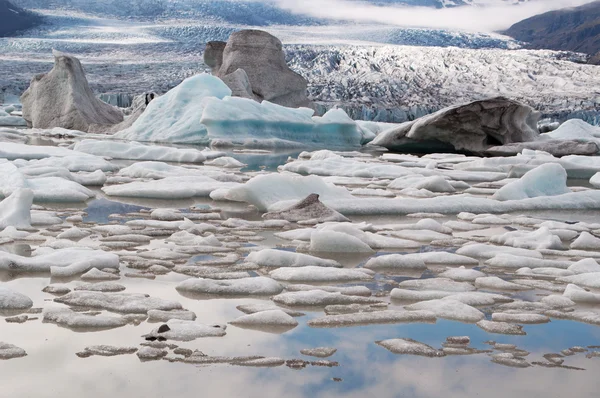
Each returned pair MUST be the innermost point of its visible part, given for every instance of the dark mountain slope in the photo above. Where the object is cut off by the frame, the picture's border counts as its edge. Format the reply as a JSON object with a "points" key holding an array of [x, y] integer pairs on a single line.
{"points": [[14, 19], [572, 29]]}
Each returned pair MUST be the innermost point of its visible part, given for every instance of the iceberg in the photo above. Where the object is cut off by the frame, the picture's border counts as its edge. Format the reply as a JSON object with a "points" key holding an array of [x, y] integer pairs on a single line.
{"points": [[201, 111], [545, 180]]}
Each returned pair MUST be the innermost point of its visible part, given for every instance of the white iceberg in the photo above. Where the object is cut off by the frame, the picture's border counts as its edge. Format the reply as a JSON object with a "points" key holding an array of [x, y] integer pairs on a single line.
{"points": [[15, 211], [545, 180], [12, 300]]}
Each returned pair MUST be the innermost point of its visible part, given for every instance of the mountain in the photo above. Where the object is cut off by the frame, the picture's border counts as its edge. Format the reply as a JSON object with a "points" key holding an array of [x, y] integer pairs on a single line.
{"points": [[571, 29], [14, 19]]}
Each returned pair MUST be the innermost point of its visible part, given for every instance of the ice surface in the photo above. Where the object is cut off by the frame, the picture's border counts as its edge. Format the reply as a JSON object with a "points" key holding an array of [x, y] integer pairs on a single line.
{"points": [[12, 300], [410, 347], [543, 238], [281, 258], [584, 266], [118, 302], [545, 180], [137, 151], [181, 330], [462, 274], [367, 318], [432, 184], [266, 318], [511, 261], [591, 280], [320, 274], [12, 151], [449, 309], [396, 261], [495, 283], [556, 301], [259, 286], [337, 242], [479, 250], [575, 129], [15, 211]]}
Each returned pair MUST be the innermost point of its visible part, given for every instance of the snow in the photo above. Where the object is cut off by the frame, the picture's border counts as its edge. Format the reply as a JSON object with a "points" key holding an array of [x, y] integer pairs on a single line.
{"points": [[410, 347], [545, 180], [15, 211], [12, 300], [62, 261], [449, 309], [586, 241], [281, 258], [118, 302], [137, 151], [182, 330], [258, 286], [320, 274], [266, 318], [370, 318]]}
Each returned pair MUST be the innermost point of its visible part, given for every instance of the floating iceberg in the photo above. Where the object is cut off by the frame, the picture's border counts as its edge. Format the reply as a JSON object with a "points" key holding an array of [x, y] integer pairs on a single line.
{"points": [[201, 111], [15, 211], [545, 180]]}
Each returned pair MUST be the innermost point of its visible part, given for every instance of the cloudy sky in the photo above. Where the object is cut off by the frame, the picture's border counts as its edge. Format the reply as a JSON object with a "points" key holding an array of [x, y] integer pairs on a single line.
{"points": [[495, 15]]}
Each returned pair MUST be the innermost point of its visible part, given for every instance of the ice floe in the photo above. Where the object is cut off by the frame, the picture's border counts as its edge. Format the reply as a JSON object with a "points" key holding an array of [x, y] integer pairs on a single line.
{"points": [[407, 346], [258, 286], [320, 274], [182, 330]]}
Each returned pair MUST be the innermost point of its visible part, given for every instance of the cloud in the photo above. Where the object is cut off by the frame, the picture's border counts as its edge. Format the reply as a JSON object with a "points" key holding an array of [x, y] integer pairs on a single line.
{"points": [[493, 16]]}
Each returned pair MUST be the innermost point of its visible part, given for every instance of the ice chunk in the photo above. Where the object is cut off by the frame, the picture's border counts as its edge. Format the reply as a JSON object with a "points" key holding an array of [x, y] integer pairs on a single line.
{"points": [[164, 316], [337, 242], [501, 327], [259, 286], [495, 283], [169, 188], [175, 116], [118, 302], [264, 191], [271, 318], [100, 287], [556, 301], [595, 180], [480, 250], [96, 275], [580, 295], [396, 261], [137, 151], [9, 351], [76, 320], [181, 330], [545, 180], [449, 309], [150, 353], [12, 151], [320, 274], [73, 233], [105, 351], [543, 238], [63, 259], [227, 162], [15, 211], [12, 300], [309, 210], [519, 318], [586, 241], [319, 352], [377, 317], [410, 347], [319, 298], [509, 359], [462, 274], [584, 266], [281, 258], [591, 279], [443, 284], [516, 262], [347, 290], [254, 308]]}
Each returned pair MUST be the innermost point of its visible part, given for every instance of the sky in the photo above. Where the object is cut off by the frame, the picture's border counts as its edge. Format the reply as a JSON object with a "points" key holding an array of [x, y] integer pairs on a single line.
{"points": [[496, 15]]}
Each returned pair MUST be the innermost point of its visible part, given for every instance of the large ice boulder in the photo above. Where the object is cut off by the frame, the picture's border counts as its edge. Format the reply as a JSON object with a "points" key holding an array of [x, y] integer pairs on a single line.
{"points": [[63, 98], [575, 129], [261, 56], [546, 180], [472, 127], [201, 111]]}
